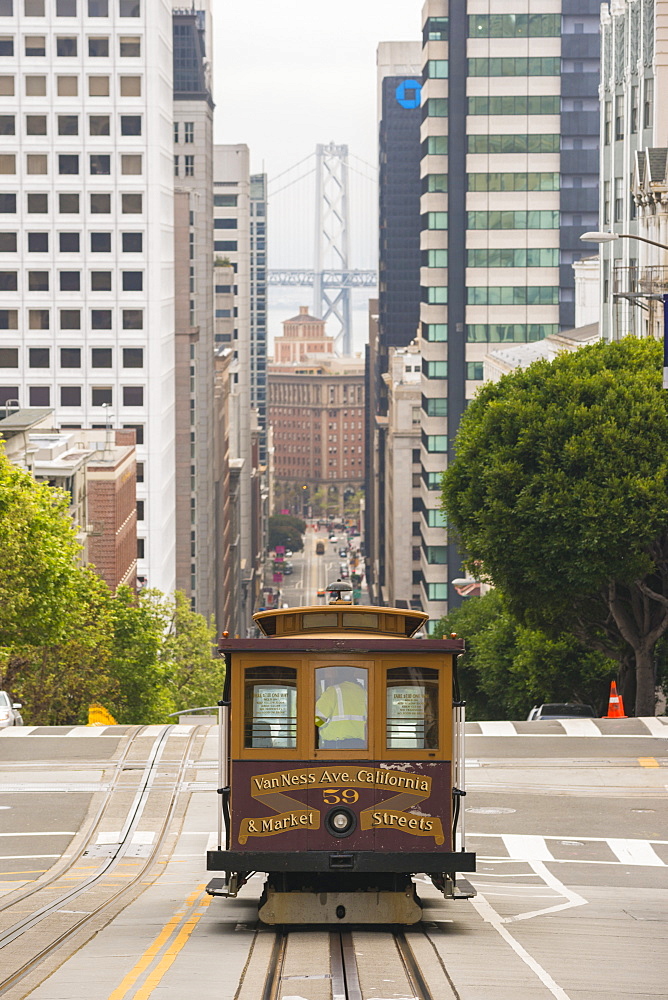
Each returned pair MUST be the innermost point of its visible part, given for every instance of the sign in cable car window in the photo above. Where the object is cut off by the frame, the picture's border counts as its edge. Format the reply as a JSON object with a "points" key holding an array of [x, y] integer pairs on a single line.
{"points": [[270, 714], [341, 708], [412, 708]]}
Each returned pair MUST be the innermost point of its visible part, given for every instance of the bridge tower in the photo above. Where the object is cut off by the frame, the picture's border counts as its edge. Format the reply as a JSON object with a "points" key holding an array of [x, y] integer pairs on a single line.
{"points": [[331, 238]]}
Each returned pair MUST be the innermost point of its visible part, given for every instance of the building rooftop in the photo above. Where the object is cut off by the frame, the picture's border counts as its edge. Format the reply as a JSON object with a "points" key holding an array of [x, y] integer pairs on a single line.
{"points": [[22, 419]]}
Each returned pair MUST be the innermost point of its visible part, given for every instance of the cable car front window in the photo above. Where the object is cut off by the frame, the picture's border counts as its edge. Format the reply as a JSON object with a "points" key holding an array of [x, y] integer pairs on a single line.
{"points": [[412, 708], [270, 708], [341, 708]]}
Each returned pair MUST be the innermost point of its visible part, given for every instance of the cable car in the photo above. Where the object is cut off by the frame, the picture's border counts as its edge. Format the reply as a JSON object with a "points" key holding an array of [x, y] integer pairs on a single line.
{"points": [[341, 765]]}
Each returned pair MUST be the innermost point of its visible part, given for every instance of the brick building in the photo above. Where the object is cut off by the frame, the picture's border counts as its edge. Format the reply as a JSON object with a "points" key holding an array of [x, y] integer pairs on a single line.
{"points": [[316, 411], [98, 469]]}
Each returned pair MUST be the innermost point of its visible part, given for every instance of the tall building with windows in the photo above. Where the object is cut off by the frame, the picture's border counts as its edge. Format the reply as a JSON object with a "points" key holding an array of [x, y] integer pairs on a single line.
{"points": [[508, 132], [399, 76], [86, 233], [634, 103], [232, 289], [195, 377], [258, 308]]}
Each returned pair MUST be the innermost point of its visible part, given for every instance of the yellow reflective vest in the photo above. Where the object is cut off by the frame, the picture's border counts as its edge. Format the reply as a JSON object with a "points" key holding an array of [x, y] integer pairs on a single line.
{"points": [[340, 712]]}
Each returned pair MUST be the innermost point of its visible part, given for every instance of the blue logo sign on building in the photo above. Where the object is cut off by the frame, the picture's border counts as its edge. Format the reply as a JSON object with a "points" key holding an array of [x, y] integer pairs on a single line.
{"points": [[408, 93]]}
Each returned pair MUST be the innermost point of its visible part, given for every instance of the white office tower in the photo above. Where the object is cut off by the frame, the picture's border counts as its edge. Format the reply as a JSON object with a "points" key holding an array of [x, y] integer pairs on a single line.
{"points": [[231, 234], [86, 232]]}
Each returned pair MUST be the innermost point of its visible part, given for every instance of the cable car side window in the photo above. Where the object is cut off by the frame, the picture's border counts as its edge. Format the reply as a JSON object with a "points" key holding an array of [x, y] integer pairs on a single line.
{"points": [[341, 708], [270, 707], [412, 708]]}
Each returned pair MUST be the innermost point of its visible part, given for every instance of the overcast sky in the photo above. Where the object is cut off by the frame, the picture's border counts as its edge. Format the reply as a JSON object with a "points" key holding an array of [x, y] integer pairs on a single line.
{"points": [[289, 75]]}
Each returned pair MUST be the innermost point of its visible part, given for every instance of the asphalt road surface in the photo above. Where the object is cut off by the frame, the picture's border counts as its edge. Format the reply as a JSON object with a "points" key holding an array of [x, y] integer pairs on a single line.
{"points": [[112, 824]]}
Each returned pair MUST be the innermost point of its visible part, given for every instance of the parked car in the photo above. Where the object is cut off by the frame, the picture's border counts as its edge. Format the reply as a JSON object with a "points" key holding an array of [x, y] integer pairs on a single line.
{"points": [[9, 711], [333, 539], [561, 710], [343, 552], [343, 571], [286, 568]]}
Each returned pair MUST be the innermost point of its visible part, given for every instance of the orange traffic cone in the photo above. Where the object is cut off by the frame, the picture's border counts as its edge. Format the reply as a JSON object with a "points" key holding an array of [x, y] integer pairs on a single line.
{"points": [[615, 704]]}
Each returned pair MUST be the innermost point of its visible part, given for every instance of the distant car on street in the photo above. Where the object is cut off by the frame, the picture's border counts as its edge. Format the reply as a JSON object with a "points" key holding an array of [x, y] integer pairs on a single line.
{"points": [[343, 571], [321, 592], [286, 569], [9, 711], [343, 552], [561, 710], [333, 539]]}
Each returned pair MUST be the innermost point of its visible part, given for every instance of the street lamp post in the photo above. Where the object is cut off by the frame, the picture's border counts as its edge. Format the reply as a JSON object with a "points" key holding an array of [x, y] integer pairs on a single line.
{"points": [[608, 238]]}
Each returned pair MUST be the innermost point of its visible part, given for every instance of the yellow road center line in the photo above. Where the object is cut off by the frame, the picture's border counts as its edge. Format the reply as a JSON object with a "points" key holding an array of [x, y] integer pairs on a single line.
{"points": [[648, 761], [165, 963], [131, 978]]}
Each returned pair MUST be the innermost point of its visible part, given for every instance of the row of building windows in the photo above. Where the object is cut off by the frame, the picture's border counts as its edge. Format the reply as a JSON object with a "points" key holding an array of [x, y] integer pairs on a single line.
{"points": [[620, 129], [515, 66], [99, 164], [69, 124], [475, 371], [70, 319], [434, 369], [188, 166], [435, 182], [532, 181], [546, 219], [436, 107], [507, 257], [539, 104], [435, 220], [70, 281], [435, 145], [434, 295], [435, 406], [71, 395], [68, 86], [435, 332], [435, 30], [71, 242], [514, 25], [434, 258], [435, 442], [37, 203], [512, 295], [539, 143], [513, 333], [70, 8], [70, 357], [67, 46], [436, 69], [188, 132]]}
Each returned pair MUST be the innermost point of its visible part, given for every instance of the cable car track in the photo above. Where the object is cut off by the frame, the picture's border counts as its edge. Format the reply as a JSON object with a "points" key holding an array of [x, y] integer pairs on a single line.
{"points": [[347, 966], [35, 920]]}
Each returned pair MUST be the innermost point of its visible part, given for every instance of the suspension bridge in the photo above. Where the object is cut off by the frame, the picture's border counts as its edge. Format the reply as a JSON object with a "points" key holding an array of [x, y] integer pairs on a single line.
{"points": [[324, 209]]}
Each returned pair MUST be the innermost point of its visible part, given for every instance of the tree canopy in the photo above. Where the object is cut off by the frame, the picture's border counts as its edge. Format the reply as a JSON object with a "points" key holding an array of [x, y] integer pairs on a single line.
{"points": [[508, 668], [66, 640], [559, 493]]}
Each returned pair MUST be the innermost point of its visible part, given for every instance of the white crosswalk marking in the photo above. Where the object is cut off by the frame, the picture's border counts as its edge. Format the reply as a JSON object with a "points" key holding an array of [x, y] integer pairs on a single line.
{"points": [[656, 726], [497, 729], [17, 730], [526, 847], [580, 727], [87, 731], [635, 852]]}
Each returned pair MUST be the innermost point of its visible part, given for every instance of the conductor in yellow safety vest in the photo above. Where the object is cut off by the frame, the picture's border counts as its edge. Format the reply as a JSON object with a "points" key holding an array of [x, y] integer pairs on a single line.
{"points": [[341, 711]]}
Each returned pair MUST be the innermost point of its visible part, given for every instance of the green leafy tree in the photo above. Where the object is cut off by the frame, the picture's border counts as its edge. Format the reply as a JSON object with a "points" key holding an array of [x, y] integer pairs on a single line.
{"points": [[559, 493], [508, 668], [286, 530], [39, 575], [139, 624], [196, 677]]}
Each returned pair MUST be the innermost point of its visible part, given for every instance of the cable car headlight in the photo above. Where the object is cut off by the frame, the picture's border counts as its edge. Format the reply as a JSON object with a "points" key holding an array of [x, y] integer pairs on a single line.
{"points": [[340, 822]]}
